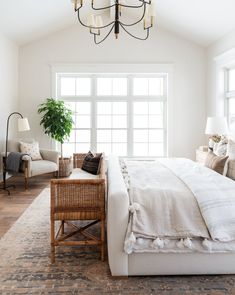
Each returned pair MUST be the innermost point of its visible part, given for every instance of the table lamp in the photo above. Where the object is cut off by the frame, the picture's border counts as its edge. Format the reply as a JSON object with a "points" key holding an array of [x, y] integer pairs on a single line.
{"points": [[216, 127]]}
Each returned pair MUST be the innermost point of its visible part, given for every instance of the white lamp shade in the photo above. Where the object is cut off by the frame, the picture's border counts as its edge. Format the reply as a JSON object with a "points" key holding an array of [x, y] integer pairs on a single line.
{"points": [[91, 20], [99, 21], [23, 124], [216, 125]]}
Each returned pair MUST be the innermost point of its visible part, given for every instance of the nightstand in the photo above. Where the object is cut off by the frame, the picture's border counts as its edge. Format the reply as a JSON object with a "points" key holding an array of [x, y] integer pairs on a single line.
{"points": [[201, 156]]}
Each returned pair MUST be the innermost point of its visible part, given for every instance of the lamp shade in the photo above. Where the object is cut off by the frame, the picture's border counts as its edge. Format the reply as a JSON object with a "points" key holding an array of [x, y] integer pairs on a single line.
{"points": [[216, 125], [23, 124]]}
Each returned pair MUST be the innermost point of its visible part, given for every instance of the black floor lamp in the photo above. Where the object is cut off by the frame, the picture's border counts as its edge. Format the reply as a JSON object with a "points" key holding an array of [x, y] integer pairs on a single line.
{"points": [[23, 125]]}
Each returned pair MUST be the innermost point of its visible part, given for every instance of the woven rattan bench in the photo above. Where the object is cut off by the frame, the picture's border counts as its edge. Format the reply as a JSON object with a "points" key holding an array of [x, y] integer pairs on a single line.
{"points": [[78, 199]]}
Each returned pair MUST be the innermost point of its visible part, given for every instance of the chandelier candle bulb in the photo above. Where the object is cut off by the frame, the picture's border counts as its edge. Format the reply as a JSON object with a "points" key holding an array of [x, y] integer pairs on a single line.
{"points": [[151, 10], [146, 22], [91, 20], [99, 21], [152, 20], [75, 2], [121, 2]]}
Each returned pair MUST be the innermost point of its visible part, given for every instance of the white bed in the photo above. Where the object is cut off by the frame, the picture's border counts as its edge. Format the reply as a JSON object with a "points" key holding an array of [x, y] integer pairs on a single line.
{"points": [[122, 264]]}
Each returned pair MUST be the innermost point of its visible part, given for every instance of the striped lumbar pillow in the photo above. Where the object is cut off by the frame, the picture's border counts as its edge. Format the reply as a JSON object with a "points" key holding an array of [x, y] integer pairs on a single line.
{"points": [[216, 163], [231, 149], [231, 169], [231, 162]]}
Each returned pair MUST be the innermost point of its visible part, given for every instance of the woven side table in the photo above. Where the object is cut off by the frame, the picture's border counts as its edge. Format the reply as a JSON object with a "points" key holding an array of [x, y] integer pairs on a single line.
{"points": [[65, 167]]}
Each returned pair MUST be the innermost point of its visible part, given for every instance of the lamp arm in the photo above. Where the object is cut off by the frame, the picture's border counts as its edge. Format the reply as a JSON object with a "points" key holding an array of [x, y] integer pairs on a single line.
{"points": [[8, 119]]}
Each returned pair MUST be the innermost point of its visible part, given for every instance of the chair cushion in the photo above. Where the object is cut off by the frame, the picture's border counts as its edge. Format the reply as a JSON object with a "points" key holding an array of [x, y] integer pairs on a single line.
{"points": [[32, 149], [81, 174], [92, 163], [41, 167]]}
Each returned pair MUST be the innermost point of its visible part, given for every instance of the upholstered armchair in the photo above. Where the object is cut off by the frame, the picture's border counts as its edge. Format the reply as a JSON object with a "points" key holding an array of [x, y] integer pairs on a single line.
{"points": [[48, 164]]}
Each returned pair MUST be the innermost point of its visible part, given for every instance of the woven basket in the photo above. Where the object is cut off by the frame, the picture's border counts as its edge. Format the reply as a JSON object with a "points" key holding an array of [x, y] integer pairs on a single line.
{"points": [[65, 167]]}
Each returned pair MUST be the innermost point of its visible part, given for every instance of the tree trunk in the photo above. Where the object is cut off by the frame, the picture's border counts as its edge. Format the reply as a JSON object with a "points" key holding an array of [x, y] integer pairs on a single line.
{"points": [[61, 151]]}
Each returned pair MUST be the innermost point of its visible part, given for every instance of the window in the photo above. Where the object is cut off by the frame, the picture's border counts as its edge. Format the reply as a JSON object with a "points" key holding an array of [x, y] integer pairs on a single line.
{"points": [[80, 137], [112, 127], [148, 128], [230, 96], [123, 114]]}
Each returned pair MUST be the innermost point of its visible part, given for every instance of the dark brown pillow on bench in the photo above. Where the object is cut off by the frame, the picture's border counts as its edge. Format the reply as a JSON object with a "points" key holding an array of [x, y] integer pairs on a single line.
{"points": [[92, 163]]}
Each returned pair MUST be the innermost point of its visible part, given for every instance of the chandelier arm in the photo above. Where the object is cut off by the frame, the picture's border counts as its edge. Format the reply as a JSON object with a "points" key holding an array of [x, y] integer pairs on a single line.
{"points": [[123, 5], [134, 35], [101, 8], [89, 27], [131, 6], [104, 37], [142, 17], [146, 2]]}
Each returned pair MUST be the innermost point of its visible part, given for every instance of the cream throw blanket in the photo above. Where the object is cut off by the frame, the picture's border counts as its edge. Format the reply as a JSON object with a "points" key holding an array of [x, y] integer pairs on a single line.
{"points": [[214, 193], [169, 197]]}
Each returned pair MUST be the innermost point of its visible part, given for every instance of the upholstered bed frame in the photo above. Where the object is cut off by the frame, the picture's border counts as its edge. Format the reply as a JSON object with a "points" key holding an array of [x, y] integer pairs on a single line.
{"points": [[135, 264]]}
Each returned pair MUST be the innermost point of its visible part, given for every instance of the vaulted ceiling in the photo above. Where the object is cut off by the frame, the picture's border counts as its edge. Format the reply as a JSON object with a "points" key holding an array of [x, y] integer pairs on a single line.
{"points": [[202, 21]]}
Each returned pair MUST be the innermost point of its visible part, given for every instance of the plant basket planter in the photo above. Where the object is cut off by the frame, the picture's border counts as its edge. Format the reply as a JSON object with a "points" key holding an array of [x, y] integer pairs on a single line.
{"points": [[65, 167]]}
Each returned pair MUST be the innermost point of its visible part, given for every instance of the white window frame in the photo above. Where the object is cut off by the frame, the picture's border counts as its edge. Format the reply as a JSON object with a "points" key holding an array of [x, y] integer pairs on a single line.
{"points": [[165, 71], [223, 62], [229, 94]]}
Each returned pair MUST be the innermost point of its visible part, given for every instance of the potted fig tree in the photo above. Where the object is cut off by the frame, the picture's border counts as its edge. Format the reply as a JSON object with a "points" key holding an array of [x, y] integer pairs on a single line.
{"points": [[57, 123]]}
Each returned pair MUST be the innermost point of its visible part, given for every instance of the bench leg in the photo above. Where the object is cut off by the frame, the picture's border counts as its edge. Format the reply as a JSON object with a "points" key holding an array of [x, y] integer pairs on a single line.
{"points": [[26, 183], [62, 227], [52, 241], [102, 233]]}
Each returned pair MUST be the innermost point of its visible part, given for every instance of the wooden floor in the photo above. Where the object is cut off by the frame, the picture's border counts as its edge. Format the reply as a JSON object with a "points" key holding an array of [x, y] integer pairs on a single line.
{"points": [[11, 207]]}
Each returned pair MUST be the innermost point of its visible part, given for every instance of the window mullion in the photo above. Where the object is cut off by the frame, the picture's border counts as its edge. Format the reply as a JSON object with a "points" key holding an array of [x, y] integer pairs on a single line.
{"points": [[130, 136], [93, 114]]}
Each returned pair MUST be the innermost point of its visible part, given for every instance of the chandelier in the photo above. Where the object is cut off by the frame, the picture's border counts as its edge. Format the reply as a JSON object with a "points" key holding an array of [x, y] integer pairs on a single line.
{"points": [[101, 31]]}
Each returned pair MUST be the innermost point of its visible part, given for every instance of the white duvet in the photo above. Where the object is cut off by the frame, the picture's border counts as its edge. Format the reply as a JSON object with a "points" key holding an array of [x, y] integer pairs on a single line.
{"points": [[177, 205]]}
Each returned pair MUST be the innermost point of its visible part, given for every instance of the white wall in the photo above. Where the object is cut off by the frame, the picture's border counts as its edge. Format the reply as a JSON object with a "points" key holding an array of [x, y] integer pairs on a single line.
{"points": [[8, 86], [75, 45], [213, 107]]}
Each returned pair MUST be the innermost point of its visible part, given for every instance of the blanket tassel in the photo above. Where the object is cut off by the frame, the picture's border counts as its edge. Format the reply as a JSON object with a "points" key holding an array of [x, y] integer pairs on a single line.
{"points": [[129, 243], [158, 243]]}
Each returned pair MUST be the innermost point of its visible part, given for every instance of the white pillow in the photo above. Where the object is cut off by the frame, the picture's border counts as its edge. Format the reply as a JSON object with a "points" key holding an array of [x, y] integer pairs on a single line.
{"points": [[231, 149], [220, 148], [32, 149]]}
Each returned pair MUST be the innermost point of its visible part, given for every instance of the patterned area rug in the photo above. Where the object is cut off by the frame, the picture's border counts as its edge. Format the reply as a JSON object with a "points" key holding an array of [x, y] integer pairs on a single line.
{"points": [[25, 266]]}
